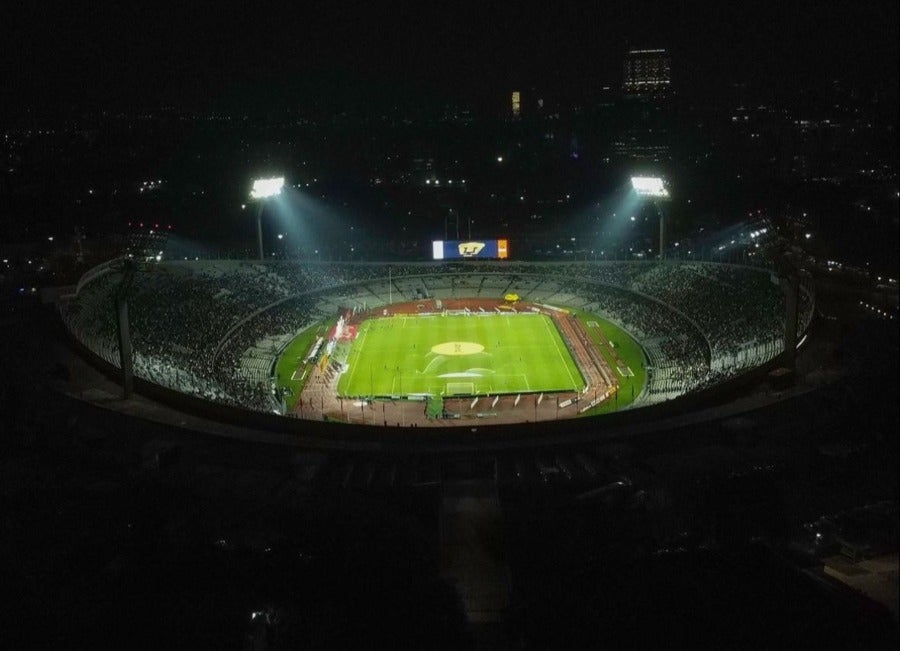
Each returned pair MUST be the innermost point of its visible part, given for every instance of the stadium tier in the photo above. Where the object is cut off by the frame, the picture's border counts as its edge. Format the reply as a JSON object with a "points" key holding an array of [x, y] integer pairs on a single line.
{"points": [[216, 329]]}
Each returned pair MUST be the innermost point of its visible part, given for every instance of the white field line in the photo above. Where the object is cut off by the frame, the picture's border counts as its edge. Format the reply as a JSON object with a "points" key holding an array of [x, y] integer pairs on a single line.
{"points": [[561, 358], [354, 365]]}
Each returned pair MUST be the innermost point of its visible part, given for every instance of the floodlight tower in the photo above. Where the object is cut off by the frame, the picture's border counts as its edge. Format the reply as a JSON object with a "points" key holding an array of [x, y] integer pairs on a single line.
{"points": [[654, 188], [789, 263], [128, 268], [262, 190]]}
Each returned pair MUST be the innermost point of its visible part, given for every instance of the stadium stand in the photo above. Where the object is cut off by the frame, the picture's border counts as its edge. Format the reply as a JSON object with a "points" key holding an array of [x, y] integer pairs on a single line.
{"points": [[215, 328]]}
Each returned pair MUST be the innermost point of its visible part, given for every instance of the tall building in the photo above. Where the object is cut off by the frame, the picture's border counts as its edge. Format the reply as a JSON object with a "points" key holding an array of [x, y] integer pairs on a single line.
{"points": [[516, 104], [647, 73], [645, 134]]}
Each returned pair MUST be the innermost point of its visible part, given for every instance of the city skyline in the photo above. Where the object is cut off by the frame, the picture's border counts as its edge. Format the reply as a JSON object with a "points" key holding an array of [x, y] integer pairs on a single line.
{"points": [[190, 57]]}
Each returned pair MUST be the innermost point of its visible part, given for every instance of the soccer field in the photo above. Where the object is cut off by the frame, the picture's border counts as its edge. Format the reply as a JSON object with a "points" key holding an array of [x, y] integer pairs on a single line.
{"points": [[477, 354]]}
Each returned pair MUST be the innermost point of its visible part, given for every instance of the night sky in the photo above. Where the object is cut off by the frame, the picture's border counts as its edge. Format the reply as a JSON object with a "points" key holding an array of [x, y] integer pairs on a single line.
{"points": [[194, 55]]}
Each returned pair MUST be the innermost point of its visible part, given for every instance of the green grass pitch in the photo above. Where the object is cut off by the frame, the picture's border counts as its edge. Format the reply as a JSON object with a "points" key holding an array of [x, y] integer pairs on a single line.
{"points": [[458, 354], [288, 369]]}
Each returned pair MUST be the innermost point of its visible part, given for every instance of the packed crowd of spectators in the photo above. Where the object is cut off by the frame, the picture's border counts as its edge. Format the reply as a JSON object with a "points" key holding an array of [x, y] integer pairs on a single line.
{"points": [[678, 356], [180, 313], [208, 327], [260, 337]]}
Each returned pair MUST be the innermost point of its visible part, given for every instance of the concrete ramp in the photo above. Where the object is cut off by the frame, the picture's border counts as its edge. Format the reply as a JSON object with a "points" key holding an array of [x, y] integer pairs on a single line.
{"points": [[472, 556]]}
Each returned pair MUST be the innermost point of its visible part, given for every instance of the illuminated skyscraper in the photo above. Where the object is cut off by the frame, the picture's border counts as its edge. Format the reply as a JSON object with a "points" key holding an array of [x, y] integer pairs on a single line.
{"points": [[647, 72], [516, 104]]}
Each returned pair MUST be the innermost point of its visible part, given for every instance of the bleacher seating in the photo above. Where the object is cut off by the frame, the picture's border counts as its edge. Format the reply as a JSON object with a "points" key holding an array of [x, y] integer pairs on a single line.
{"points": [[214, 328]]}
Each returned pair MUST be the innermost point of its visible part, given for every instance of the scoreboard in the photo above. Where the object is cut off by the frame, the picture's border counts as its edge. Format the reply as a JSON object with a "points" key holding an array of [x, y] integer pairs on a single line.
{"points": [[462, 249]]}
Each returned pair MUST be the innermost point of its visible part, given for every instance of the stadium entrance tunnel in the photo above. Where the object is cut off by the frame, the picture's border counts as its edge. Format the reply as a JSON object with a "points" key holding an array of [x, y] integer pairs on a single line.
{"points": [[457, 348]]}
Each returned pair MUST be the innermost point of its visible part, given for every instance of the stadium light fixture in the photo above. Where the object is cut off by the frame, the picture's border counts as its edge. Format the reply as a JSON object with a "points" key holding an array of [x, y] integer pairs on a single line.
{"points": [[653, 188], [265, 188], [649, 186], [262, 190]]}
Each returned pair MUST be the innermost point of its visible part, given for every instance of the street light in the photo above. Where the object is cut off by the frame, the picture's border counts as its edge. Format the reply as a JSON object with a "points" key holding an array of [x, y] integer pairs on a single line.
{"points": [[654, 188], [262, 190]]}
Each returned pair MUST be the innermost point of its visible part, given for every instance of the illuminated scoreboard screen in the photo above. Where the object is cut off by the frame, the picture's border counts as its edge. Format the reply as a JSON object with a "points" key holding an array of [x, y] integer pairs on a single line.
{"points": [[460, 249]]}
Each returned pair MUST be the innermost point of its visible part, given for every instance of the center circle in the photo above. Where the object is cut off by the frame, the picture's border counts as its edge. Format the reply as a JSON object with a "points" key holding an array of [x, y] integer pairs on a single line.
{"points": [[457, 348]]}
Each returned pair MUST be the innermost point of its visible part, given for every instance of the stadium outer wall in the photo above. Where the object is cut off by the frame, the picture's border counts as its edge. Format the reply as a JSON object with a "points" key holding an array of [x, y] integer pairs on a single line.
{"points": [[332, 432]]}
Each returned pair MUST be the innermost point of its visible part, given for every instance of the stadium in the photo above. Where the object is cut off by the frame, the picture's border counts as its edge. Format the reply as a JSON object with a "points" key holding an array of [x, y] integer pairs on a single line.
{"points": [[491, 347]]}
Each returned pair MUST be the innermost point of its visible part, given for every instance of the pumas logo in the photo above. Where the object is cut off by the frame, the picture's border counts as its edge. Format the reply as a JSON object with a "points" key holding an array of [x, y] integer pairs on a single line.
{"points": [[470, 249]]}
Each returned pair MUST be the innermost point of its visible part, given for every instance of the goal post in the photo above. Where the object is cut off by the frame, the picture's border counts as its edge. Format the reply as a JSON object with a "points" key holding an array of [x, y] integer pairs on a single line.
{"points": [[460, 388]]}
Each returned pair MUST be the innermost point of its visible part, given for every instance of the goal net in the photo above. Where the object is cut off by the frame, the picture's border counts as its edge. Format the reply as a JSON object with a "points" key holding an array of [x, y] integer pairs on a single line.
{"points": [[460, 388]]}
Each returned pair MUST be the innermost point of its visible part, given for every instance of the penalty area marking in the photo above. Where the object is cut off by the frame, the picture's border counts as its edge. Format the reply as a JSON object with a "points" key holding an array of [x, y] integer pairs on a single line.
{"points": [[437, 386]]}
